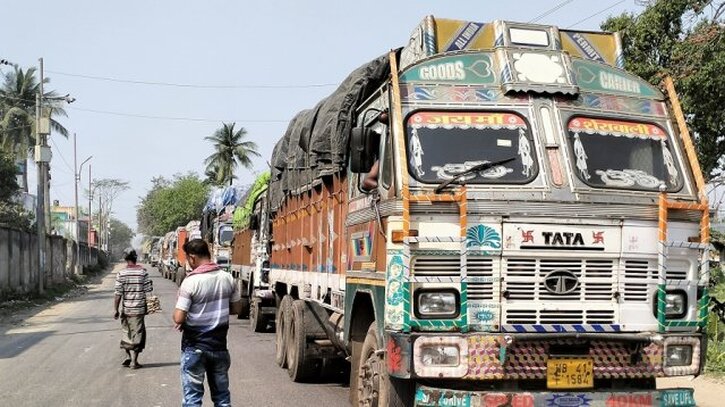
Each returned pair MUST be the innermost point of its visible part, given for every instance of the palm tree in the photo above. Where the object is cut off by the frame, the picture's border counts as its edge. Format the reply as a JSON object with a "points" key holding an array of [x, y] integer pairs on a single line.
{"points": [[17, 110], [213, 177], [230, 151]]}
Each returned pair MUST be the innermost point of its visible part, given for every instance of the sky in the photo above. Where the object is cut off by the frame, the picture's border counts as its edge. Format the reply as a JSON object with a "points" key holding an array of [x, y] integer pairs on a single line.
{"points": [[221, 48]]}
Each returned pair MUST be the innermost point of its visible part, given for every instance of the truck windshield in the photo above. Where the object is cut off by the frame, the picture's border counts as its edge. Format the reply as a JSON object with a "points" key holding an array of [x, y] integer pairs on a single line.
{"points": [[623, 155], [441, 145], [225, 235]]}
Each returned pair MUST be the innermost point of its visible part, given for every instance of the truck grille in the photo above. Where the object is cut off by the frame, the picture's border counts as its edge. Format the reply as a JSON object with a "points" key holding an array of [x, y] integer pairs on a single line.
{"points": [[524, 279], [480, 272], [524, 317]]}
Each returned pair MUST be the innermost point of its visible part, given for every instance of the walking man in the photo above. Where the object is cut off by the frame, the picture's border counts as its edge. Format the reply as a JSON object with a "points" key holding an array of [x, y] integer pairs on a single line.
{"points": [[132, 284], [206, 298]]}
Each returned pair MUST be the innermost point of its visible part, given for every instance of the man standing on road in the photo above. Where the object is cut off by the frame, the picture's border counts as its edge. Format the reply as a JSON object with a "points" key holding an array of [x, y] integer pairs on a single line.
{"points": [[132, 284], [206, 298]]}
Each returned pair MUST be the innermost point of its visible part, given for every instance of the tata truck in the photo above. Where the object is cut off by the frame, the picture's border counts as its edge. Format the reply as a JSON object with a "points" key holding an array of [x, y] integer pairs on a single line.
{"points": [[250, 255], [496, 214]]}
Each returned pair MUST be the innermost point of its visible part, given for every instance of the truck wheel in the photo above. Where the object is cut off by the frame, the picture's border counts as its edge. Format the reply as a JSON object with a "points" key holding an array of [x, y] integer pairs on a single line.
{"points": [[374, 387], [244, 313], [180, 275], [257, 320], [300, 366], [280, 340]]}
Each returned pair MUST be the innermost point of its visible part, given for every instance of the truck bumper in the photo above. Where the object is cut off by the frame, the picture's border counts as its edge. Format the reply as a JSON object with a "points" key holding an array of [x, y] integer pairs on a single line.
{"points": [[434, 397]]}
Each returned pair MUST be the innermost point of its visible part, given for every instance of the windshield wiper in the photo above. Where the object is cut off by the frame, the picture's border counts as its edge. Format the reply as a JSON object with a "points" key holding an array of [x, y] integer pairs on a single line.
{"points": [[475, 168]]}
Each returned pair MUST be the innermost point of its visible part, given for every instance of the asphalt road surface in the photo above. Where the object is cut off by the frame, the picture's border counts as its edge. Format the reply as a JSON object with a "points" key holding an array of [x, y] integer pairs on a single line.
{"points": [[68, 355]]}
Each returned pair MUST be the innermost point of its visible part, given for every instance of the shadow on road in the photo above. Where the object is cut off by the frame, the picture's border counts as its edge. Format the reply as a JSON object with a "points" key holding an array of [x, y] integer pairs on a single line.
{"points": [[14, 344], [153, 365]]}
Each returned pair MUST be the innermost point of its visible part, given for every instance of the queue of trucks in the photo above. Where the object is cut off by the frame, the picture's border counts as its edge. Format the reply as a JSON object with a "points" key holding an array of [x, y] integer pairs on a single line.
{"points": [[495, 214]]}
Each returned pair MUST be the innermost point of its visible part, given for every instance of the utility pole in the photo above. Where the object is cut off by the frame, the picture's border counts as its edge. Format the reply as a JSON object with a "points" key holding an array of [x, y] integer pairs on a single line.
{"points": [[77, 173], [46, 165], [42, 156], [100, 223], [90, 206]]}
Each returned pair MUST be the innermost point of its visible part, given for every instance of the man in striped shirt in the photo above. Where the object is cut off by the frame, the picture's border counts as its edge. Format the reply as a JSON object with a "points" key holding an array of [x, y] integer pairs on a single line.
{"points": [[132, 284], [206, 298]]}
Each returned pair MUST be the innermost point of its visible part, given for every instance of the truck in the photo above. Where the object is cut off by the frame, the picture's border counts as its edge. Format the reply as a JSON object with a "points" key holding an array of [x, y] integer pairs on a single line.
{"points": [[182, 235], [494, 214], [216, 224], [250, 255], [168, 250]]}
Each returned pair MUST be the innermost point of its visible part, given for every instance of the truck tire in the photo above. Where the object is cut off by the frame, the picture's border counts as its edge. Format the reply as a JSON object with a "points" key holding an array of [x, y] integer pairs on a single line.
{"points": [[300, 366], [257, 320], [280, 340], [244, 313], [180, 275], [374, 387]]}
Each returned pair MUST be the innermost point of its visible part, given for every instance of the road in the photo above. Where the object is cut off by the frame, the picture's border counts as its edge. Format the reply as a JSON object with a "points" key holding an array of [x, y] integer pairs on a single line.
{"points": [[68, 355]]}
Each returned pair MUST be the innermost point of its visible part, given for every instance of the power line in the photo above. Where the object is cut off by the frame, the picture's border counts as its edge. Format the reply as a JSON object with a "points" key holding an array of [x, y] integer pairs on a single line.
{"points": [[157, 117], [596, 14], [550, 11], [189, 119], [61, 155], [191, 85]]}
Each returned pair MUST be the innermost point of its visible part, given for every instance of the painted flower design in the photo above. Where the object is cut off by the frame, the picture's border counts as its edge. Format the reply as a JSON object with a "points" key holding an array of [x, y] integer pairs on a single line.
{"points": [[483, 236]]}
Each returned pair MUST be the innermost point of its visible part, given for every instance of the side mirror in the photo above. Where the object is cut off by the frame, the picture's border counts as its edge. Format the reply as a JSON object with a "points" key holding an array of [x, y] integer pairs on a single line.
{"points": [[254, 222], [363, 149]]}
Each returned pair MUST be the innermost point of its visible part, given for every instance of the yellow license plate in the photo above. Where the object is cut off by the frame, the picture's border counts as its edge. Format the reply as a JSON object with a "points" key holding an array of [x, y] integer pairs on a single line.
{"points": [[569, 373]]}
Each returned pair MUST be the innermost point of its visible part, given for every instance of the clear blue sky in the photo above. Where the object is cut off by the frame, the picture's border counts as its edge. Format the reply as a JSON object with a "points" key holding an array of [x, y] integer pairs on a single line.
{"points": [[214, 43]]}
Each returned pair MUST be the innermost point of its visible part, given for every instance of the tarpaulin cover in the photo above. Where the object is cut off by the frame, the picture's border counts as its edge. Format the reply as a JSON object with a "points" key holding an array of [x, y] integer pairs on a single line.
{"points": [[316, 141], [244, 211]]}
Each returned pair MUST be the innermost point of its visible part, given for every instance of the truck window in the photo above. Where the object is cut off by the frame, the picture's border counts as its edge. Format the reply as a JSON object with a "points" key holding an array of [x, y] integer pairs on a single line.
{"points": [[442, 144], [226, 234], [622, 155]]}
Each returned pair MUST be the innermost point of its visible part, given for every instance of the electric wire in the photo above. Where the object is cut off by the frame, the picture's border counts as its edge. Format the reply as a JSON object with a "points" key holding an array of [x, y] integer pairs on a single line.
{"points": [[192, 85], [550, 11], [175, 118], [596, 14], [52, 140], [159, 117]]}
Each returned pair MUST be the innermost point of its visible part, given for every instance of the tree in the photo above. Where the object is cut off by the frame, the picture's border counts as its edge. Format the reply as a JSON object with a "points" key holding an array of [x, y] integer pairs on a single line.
{"points": [[107, 189], [120, 237], [170, 204], [17, 113], [12, 213], [679, 38], [17, 110], [8, 178], [230, 151]]}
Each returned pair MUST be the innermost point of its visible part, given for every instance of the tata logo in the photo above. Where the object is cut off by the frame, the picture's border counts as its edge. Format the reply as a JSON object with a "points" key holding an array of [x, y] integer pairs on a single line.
{"points": [[561, 282], [562, 239]]}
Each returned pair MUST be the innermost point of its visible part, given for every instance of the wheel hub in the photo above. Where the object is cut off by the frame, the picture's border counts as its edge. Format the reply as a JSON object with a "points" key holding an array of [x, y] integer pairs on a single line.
{"points": [[369, 383]]}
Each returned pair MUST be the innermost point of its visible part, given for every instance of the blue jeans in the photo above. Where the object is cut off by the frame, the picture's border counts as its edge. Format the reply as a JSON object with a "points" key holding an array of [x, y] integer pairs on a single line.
{"points": [[215, 364]]}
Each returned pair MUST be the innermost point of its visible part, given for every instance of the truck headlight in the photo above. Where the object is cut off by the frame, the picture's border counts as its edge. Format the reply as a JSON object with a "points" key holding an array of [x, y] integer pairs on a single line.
{"points": [[440, 355], [678, 355], [436, 304], [675, 305]]}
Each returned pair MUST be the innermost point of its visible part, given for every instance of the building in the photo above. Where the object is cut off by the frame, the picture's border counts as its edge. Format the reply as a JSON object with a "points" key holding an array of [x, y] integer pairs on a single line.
{"points": [[63, 222]]}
